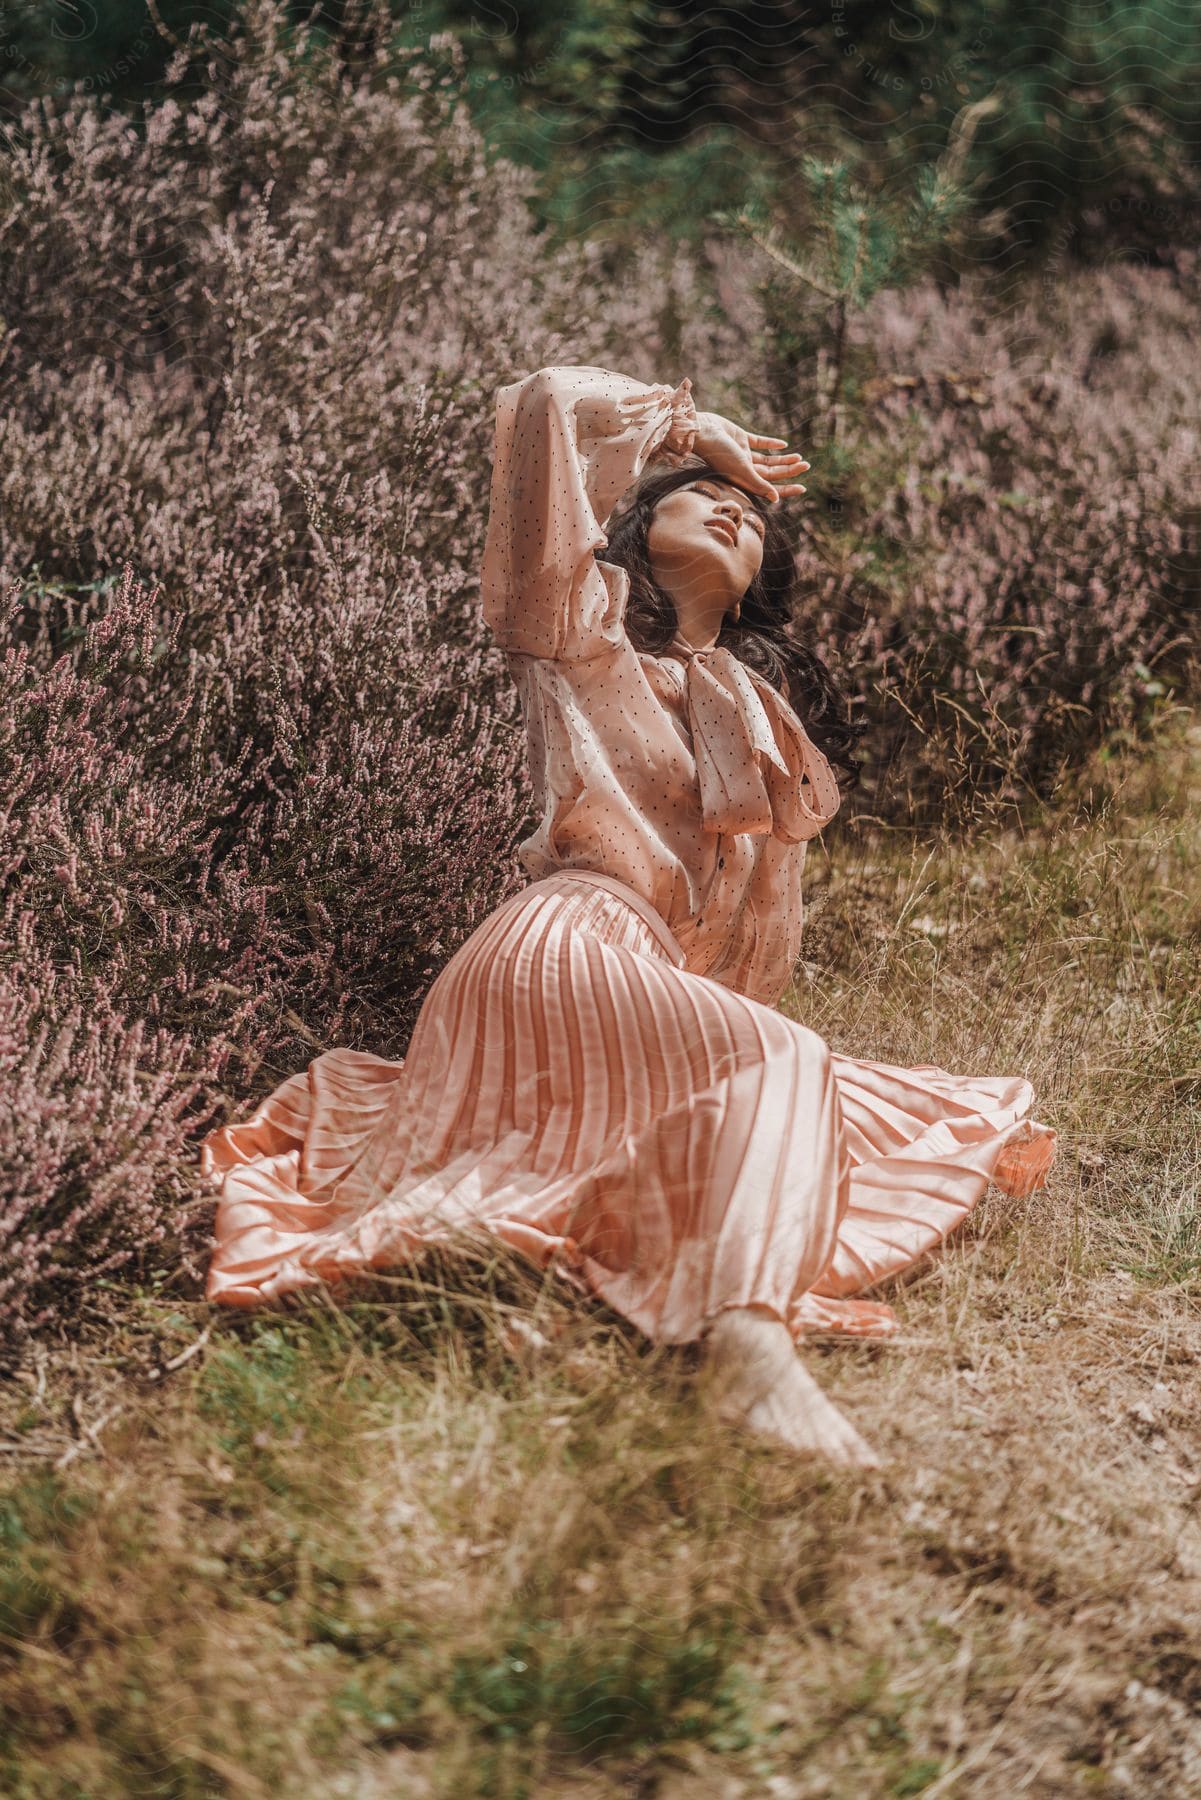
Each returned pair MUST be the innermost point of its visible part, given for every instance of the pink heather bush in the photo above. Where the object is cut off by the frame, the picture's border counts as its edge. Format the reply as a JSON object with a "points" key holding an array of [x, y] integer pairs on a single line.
{"points": [[1002, 548], [96, 1116], [1022, 522], [261, 772], [1024, 505], [173, 916]]}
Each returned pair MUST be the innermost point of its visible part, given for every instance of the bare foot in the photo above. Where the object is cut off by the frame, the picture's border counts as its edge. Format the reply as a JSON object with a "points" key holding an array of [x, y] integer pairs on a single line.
{"points": [[757, 1380]]}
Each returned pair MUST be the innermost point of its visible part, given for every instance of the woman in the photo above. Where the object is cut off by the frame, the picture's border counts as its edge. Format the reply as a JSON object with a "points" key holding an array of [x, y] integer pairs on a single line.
{"points": [[600, 1076]]}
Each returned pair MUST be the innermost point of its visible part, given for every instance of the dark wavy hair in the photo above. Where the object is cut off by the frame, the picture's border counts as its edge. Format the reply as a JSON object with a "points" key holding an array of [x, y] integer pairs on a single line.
{"points": [[761, 638]]}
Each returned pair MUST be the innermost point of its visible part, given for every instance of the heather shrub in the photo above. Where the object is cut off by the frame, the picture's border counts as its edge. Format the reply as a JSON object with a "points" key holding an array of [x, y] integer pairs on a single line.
{"points": [[172, 917], [98, 1118], [1001, 544], [262, 772], [1013, 552]]}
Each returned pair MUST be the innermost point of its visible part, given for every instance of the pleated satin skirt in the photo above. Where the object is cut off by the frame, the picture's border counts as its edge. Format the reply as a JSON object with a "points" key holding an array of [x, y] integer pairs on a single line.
{"points": [[667, 1144]]}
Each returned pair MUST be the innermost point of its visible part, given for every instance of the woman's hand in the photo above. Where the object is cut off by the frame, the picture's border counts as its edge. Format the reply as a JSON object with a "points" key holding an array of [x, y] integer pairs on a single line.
{"points": [[757, 463]]}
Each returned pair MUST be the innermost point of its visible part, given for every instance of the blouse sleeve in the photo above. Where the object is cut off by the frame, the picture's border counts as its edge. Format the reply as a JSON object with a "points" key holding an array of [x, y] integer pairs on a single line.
{"points": [[569, 442]]}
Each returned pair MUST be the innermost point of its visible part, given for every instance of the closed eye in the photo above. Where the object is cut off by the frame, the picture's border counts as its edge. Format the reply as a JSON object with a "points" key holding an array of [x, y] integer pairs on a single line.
{"points": [[748, 512]]}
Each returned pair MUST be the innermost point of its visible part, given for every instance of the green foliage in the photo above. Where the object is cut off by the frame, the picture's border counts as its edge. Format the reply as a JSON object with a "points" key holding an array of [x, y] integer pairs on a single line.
{"points": [[111, 47], [255, 1391], [642, 1682], [861, 242], [1083, 123], [858, 240], [36, 1516], [1057, 114]]}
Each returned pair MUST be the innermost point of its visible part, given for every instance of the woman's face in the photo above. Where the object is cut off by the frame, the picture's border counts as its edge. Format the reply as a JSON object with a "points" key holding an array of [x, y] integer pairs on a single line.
{"points": [[706, 540], [705, 547]]}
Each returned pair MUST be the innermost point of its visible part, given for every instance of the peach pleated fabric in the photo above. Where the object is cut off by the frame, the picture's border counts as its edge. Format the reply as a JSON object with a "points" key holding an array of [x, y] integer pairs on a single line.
{"points": [[600, 1077]]}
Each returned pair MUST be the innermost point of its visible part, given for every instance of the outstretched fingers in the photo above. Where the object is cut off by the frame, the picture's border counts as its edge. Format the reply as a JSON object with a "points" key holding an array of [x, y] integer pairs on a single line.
{"points": [[771, 483], [775, 469]]}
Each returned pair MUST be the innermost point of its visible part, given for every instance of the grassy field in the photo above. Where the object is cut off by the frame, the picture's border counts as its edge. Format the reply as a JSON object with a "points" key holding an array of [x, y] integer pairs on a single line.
{"points": [[405, 1548]]}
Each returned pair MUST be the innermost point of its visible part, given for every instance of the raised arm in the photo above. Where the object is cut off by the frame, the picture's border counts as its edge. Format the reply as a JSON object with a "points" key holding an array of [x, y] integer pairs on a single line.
{"points": [[569, 441]]}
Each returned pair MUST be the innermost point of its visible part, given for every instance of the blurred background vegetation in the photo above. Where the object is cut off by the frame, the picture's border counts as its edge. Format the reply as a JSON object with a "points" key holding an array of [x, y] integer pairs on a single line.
{"points": [[1076, 129]]}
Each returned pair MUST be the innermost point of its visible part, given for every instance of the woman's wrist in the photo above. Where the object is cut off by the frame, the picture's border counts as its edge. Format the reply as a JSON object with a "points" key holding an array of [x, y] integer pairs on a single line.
{"points": [[682, 434], [709, 426]]}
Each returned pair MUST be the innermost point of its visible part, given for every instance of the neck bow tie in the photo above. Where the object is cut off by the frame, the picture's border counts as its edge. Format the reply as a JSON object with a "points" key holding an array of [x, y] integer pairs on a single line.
{"points": [[759, 771]]}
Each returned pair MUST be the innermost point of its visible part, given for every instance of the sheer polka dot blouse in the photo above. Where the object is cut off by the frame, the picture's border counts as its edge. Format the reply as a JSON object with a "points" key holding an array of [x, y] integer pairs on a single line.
{"points": [[684, 775]]}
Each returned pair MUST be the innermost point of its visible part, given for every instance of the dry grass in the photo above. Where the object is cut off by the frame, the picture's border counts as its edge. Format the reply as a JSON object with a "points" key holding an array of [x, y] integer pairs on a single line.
{"points": [[388, 1551]]}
